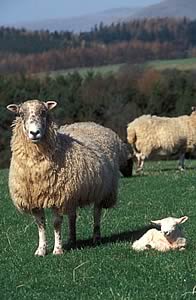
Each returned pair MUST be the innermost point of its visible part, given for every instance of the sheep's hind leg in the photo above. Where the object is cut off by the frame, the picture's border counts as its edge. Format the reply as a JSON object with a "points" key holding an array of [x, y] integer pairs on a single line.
{"points": [[40, 220], [57, 220], [97, 220], [181, 162], [72, 228]]}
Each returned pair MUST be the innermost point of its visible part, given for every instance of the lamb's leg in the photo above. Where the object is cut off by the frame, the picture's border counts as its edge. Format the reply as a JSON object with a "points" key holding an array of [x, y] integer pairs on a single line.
{"points": [[40, 220], [57, 219], [97, 220], [72, 228]]}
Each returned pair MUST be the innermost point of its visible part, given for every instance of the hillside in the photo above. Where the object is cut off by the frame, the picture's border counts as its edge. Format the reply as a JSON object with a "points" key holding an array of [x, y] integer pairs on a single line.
{"points": [[166, 8], [169, 8], [81, 23]]}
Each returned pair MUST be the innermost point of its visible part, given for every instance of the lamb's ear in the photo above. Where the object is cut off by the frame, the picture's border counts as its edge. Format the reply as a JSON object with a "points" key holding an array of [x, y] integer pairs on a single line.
{"points": [[13, 108], [181, 220], [50, 104], [157, 222]]}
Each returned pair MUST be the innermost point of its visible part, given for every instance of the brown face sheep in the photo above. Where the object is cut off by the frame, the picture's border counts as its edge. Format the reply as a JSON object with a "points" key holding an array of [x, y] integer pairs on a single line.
{"points": [[152, 136], [110, 142], [54, 170], [170, 236]]}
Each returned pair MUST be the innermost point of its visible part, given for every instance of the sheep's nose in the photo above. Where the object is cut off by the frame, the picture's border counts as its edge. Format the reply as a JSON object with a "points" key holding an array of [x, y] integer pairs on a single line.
{"points": [[35, 133]]}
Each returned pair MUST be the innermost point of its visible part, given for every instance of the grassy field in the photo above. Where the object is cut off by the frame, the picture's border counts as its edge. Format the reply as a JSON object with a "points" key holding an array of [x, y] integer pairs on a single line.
{"points": [[180, 64], [111, 270], [83, 71]]}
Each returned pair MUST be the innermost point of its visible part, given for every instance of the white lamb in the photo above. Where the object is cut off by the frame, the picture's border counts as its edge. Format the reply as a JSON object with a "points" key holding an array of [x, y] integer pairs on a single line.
{"points": [[170, 237]]}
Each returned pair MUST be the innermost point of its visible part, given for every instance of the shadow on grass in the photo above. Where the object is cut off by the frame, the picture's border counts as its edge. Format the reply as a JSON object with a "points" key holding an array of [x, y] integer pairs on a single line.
{"points": [[125, 236]]}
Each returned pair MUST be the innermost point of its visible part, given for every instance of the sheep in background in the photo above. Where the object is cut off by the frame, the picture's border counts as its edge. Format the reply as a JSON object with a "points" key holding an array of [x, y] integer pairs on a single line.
{"points": [[161, 136], [54, 170], [111, 142], [169, 238]]}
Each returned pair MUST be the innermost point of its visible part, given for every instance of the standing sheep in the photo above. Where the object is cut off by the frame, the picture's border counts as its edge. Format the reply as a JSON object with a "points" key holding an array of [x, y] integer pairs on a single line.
{"points": [[151, 136], [169, 238], [54, 170], [110, 142]]}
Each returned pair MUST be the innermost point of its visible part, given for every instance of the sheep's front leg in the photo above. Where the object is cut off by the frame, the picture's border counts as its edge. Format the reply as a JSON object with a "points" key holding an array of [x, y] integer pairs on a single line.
{"points": [[72, 228], [97, 220], [40, 220], [57, 221]]}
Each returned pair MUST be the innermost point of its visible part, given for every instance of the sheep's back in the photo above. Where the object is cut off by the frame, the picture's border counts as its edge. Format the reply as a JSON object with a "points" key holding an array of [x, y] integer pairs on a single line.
{"points": [[159, 135]]}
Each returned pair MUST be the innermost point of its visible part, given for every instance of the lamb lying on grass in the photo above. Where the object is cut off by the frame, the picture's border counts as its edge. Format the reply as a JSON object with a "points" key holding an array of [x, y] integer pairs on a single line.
{"points": [[170, 236]]}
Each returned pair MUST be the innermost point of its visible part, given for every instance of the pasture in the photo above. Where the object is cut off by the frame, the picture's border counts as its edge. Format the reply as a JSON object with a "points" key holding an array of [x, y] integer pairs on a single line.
{"points": [[111, 270], [179, 64]]}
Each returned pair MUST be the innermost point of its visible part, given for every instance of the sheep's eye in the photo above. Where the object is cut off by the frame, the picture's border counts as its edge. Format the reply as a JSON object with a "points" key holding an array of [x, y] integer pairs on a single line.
{"points": [[21, 114]]}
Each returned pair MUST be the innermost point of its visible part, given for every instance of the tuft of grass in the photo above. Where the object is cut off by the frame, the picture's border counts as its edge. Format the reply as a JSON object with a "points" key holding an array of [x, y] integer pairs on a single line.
{"points": [[112, 270]]}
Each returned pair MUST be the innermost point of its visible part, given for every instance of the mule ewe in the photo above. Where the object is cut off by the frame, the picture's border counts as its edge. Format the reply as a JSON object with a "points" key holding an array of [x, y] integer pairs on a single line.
{"points": [[169, 238], [152, 136], [54, 170]]}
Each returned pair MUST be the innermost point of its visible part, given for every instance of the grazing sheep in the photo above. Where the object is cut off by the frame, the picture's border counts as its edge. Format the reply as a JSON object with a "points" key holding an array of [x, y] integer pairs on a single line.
{"points": [[169, 238], [151, 136], [58, 171], [110, 142]]}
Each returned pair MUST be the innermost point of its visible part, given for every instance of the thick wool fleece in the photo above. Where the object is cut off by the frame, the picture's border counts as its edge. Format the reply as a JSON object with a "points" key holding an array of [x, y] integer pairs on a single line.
{"points": [[61, 171], [105, 139], [151, 135]]}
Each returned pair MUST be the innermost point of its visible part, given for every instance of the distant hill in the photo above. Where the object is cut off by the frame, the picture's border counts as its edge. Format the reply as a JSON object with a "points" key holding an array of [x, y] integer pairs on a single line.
{"points": [[169, 8], [82, 23], [166, 8]]}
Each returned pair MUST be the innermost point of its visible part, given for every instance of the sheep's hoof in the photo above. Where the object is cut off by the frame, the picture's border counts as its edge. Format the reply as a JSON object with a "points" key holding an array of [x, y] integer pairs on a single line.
{"points": [[40, 252], [96, 240], [181, 169], [58, 251]]}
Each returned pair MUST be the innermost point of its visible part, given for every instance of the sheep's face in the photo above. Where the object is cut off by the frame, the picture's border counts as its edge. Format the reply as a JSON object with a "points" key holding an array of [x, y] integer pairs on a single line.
{"points": [[168, 225], [33, 114]]}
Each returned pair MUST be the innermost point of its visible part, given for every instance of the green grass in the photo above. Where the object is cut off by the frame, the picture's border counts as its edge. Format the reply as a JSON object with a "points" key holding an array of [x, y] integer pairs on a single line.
{"points": [[180, 64], [111, 270], [104, 70]]}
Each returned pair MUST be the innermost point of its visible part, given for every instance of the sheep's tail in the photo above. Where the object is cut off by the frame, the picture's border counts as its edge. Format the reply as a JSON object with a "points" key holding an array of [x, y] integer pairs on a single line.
{"points": [[132, 138], [131, 135]]}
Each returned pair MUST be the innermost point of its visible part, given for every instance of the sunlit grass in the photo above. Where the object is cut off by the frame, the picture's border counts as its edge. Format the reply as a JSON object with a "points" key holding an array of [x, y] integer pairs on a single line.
{"points": [[111, 270]]}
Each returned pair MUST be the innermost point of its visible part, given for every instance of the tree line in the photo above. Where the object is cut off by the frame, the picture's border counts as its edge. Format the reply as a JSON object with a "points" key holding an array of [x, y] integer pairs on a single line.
{"points": [[136, 41], [112, 100]]}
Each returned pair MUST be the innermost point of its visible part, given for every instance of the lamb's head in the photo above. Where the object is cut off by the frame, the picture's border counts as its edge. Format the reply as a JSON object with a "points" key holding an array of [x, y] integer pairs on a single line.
{"points": [[168, 225], [34, 116]]}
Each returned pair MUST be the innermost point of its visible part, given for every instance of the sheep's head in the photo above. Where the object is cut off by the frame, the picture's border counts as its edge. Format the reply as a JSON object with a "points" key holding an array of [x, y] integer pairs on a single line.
{"points": [[33, 114], [168, 225]]}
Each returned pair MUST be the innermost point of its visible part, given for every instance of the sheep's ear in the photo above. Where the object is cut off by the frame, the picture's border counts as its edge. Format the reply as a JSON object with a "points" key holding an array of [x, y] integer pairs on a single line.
{"points": [[50, 104], [13, 108], [157, 222], [193, 108], [181, 220]]}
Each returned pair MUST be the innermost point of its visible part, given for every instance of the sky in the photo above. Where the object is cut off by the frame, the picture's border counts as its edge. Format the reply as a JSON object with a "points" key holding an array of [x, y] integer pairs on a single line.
{"points": [[15, 11]]}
